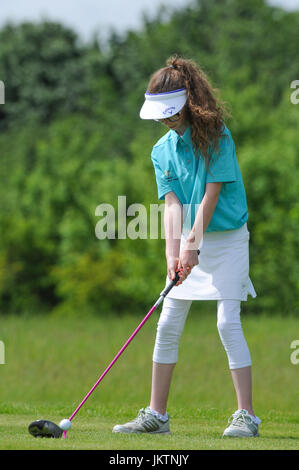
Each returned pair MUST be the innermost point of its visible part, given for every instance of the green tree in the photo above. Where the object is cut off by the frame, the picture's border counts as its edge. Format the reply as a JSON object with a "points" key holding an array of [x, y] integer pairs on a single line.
{"points": [[77, 142], [41, 66]]}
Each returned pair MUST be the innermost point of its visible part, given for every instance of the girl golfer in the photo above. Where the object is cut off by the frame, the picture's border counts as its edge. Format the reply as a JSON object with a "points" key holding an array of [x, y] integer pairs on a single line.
{"points": [[199, 178]]}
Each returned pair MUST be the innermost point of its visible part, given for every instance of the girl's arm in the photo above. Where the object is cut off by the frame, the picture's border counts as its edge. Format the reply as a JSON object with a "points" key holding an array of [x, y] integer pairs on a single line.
{"points": [[189, 257], [173, 221], [203, 216]]}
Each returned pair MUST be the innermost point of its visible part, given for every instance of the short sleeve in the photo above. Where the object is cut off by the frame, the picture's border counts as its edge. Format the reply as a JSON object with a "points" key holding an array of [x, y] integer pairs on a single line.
{"points": [[162, 185], [222, 166]]}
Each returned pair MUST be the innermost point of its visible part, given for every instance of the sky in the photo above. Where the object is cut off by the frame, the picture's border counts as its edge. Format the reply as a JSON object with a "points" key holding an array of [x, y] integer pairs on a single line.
{"points": [[88, 16]]}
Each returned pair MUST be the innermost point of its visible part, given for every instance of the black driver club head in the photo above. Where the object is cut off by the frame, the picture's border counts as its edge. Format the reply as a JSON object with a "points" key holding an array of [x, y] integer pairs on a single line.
{"points": [[44, 428]]}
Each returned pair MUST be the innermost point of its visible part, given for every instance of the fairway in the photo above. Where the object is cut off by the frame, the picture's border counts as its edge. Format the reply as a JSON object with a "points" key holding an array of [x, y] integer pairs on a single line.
{"points": [[51, 363]]}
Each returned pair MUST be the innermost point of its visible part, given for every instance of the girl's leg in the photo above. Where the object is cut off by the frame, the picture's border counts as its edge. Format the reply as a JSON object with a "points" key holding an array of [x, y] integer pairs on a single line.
{"points": [[232, 337], [161, 378], [242, 383], [170, 328]]}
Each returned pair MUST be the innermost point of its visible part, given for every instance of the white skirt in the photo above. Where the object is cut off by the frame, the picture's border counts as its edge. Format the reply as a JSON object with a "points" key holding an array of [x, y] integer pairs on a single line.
{"points": [[223, 269]]}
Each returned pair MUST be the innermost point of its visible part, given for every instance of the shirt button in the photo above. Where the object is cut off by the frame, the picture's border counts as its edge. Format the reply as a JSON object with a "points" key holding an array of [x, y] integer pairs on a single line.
{"points": [[188, 161], [186, 149]]}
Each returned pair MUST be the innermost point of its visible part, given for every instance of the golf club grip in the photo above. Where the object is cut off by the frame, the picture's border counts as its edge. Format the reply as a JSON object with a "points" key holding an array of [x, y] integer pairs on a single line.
{"points": [[172, 283]]}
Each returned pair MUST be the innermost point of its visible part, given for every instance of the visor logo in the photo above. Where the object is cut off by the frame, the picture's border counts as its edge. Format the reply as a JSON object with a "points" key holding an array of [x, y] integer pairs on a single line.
{"points": [[169, 110]]}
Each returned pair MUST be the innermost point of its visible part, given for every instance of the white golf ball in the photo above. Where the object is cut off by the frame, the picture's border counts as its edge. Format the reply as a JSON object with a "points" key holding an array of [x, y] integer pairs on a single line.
{"points": [[65, 424]]}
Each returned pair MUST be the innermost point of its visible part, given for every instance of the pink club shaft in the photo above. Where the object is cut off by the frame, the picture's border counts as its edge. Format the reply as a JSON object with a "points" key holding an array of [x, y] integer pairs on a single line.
{"points": [[161, 298], [116, 357]]}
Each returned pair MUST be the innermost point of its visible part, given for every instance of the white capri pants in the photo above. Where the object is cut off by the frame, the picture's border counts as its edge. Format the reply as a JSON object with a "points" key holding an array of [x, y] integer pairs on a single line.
{"points": [[171, 325]]}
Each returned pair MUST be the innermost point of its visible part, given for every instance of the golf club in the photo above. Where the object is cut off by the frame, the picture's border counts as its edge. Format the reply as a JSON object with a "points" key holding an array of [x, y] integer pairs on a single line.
{"points": [[46, 428]]}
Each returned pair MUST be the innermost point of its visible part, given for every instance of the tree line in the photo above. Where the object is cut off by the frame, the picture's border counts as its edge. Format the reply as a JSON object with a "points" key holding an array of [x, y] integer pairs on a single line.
{"points": [[71, 139]]}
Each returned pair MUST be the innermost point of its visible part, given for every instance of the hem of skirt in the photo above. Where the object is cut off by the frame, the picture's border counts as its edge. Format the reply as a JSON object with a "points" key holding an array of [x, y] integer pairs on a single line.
{"points": [[243, 297], [217, 297]]}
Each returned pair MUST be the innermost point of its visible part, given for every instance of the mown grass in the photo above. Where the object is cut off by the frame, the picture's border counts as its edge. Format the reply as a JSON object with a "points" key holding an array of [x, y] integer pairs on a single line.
{"points": [[187, 434], [51, 363]]}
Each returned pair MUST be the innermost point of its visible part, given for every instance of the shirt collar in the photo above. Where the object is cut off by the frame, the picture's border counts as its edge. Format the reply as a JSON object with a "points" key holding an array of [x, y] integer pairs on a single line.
{"points": [[185, 138]]}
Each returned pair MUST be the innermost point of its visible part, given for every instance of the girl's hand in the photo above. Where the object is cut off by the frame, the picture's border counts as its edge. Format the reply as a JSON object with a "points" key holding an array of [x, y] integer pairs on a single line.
{"points": [[172, 267], [187, 261]]}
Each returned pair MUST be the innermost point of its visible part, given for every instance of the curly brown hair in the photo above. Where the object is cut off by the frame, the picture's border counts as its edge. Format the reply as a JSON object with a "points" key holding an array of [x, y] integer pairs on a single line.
{"points": [[205, 112]]}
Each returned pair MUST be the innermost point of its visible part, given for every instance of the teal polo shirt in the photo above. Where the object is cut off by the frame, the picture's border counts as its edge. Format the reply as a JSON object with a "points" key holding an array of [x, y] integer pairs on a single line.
{"points": [[177, 169]]}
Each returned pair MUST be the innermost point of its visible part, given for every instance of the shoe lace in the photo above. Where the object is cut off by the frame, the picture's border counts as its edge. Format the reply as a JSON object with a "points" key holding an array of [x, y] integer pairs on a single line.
{"points": [[140, 416], [238, 419]]}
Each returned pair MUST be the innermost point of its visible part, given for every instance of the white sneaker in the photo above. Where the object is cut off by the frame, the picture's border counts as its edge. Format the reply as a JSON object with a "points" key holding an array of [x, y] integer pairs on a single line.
{"points": [[242, 424], [145, 422]]}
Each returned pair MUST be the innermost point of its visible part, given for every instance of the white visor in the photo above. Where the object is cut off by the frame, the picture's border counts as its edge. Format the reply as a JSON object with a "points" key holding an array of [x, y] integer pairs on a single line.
{"points": [[163, 105]]}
